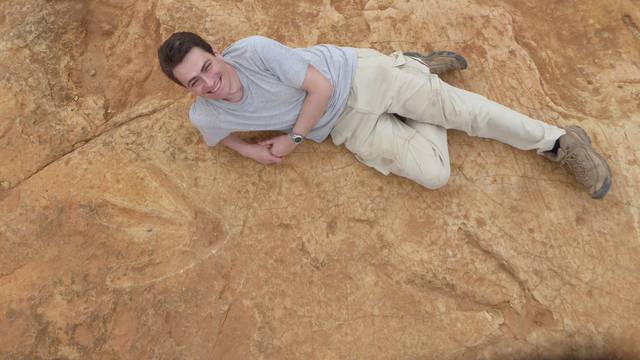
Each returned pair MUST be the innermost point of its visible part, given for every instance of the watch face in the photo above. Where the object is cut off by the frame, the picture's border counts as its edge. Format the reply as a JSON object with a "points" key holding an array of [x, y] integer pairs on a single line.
{"points": [[297, 139]]}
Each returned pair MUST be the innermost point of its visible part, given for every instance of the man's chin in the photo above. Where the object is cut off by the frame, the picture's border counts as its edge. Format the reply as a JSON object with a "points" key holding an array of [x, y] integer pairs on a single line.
{"points": [[211, 96]]}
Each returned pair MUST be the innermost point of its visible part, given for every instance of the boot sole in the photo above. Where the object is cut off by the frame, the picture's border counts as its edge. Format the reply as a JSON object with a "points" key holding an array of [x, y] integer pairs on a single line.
{"points": [[604, 189], [462, 62], [606, 185]]}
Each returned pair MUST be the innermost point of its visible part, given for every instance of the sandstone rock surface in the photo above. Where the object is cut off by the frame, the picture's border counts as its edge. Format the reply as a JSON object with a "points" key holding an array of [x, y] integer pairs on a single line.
{"points": [[124, 237]]}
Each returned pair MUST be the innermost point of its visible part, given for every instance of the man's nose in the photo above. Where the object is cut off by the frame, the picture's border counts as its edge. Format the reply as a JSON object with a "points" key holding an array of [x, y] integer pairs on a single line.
{"points": [[207, 81]]}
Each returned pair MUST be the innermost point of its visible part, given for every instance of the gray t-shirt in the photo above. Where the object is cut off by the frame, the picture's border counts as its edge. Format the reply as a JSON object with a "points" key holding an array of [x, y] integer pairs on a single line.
{"points": [[271, 75]]}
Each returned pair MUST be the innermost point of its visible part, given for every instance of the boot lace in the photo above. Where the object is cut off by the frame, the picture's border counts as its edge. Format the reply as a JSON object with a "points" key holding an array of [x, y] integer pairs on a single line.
{"points": [[578, 166]]}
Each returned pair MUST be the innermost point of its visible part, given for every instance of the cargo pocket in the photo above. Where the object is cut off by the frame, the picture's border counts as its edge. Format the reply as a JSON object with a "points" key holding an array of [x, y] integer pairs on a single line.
{"points": [[413, 66]]}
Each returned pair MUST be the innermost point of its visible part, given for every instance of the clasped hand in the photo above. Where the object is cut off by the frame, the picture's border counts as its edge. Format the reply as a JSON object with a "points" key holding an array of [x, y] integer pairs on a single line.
{"points": [[279, 146], [273, 151]]}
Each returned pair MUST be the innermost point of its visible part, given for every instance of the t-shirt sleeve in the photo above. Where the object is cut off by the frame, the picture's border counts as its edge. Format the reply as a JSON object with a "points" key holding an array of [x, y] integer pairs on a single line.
{"points": [[282, 61], [210, 133], [213, 135]]}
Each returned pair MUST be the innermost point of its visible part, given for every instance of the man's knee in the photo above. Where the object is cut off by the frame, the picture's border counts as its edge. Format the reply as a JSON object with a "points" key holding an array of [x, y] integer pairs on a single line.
{"points": [[426, 164], [435, 178]]}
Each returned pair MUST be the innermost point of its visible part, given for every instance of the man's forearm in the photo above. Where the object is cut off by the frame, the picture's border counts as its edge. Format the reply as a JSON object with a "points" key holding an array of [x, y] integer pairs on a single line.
{"points": [[235, 143], [319, 90], [314, 106]]}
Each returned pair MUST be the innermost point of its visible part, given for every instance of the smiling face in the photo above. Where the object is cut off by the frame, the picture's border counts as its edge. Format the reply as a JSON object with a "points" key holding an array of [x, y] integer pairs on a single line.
{"points": [[209, 76]]}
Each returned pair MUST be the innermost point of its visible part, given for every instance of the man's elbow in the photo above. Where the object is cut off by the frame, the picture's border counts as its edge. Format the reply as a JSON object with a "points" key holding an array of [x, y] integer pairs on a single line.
{"points": [[329, 88], [316, 82], [324, 87]]}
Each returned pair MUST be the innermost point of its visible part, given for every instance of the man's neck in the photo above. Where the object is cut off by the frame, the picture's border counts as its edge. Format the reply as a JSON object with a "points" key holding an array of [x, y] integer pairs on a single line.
{"points": [[236, 85]]}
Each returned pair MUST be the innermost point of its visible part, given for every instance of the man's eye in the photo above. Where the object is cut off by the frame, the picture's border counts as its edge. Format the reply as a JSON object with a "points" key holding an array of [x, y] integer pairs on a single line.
{"points": [[206, 68], [195, 83]]}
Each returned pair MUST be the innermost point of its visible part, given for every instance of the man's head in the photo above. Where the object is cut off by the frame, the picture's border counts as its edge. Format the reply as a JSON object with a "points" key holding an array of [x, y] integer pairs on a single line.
{"points": [[192, 63]]}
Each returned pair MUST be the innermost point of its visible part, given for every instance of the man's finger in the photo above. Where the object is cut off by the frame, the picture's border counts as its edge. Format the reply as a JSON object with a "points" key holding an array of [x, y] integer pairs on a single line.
{"points": [[274, 154], [276, 157]]}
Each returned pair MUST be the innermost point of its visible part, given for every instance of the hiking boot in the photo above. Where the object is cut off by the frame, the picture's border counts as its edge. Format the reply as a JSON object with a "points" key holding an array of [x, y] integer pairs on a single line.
{"points": [[581, 159], [440, 62]]}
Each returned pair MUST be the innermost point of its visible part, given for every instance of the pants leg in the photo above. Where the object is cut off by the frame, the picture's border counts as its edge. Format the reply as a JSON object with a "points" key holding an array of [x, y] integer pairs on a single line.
{"points": [[417, 148], [428, 99], [416, 152]]}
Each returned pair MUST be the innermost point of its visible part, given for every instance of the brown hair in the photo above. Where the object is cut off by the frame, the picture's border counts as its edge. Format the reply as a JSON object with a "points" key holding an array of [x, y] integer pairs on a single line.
{"points": [[175, 48]]}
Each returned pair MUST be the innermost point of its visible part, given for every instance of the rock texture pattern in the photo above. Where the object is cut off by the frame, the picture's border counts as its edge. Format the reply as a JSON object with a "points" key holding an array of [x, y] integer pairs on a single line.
{"points": [[124, 237]]}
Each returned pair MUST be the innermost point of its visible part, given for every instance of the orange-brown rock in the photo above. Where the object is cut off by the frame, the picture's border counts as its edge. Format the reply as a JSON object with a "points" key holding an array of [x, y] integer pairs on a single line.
{"points": [[124, 237]]}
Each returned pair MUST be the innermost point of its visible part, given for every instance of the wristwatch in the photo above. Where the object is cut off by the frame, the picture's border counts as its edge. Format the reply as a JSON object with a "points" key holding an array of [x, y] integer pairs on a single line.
{"points": [[296, 138]]}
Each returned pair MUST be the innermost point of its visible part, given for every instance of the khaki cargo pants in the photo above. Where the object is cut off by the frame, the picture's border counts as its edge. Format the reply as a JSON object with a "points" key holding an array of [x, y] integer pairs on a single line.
{"points": [[417, 147]]}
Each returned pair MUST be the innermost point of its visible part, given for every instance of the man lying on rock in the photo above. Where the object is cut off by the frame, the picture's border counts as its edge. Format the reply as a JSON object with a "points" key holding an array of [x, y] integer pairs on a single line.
{"points": [[392, 111]]}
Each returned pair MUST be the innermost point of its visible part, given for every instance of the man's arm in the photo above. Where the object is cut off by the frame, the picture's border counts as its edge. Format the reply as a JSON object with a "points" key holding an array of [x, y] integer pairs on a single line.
{"points": [[319, 90], [257, 152]]}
